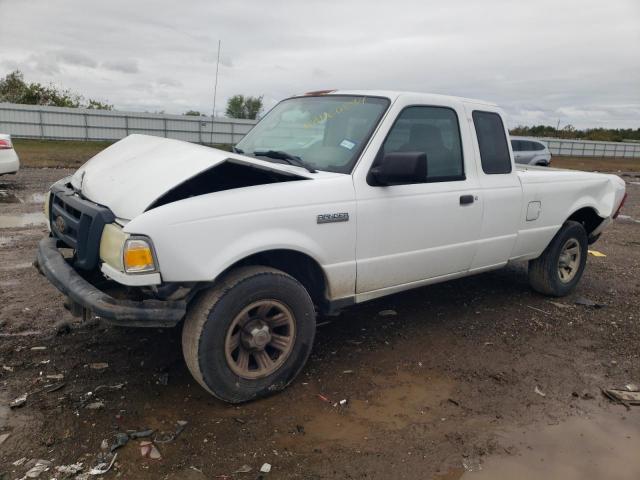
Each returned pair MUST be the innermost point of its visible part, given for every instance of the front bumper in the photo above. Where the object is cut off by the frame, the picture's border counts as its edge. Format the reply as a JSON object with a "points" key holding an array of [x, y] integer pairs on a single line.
{"points": [[144, 313]]}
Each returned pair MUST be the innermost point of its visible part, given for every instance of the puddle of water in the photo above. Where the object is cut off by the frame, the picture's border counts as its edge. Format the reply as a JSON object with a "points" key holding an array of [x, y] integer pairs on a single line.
{"points": [[22, 220], [604, 446]]}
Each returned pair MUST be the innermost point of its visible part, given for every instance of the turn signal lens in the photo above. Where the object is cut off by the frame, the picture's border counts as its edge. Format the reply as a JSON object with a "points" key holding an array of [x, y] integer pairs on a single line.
{"points": [[138, 256]]}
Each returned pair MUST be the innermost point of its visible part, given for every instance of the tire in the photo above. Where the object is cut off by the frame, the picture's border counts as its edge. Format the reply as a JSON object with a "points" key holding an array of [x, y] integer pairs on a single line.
{"points": [[546, 273], [249, 299]]}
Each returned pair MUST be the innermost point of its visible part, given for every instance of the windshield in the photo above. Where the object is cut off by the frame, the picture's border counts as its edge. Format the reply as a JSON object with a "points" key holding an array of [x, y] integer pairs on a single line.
{"points": [[325, 132]]}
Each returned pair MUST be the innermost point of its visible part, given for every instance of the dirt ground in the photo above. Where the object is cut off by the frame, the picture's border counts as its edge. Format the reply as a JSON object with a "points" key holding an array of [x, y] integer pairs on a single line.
{"points": [[478, 378]]}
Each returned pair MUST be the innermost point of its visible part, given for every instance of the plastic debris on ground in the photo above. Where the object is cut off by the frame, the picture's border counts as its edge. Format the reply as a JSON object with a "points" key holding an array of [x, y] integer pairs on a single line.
{"points": [[103, 467], [628, 395], [243, 469], [596, 253], [588, 303], [18, 402], [71, 469], [539, 392], [265, 468], [149, 450], [120, 441], [98, 366], [95, 405], [387, 313], [140, 434], [166, 438], [38, 468]]}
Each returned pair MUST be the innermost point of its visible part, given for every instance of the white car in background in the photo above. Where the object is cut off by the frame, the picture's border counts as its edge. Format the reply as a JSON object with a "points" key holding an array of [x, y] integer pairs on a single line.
{"points": [[9, 161], [529, 151]]}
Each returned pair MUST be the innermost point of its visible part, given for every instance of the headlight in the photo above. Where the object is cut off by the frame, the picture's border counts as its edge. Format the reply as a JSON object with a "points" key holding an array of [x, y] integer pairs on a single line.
{"points": [[138, 256], [126, 253]]}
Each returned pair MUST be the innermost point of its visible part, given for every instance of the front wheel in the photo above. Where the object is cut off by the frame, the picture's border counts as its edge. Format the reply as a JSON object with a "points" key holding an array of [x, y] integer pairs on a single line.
{"points": [[249, 336], [558, 270]]}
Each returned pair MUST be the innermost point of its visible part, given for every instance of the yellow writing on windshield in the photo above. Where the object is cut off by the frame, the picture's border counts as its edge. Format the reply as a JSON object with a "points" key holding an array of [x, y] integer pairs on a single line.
{"points": [[343, 107]]}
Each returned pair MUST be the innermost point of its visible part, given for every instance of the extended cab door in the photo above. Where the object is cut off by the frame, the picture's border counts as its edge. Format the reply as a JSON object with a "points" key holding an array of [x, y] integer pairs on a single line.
{"points": [[499, 187], [408, 234]]}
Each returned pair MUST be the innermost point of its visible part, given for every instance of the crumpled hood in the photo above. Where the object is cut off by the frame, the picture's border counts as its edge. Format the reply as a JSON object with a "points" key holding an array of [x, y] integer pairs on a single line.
{"points": [[131, 174]]}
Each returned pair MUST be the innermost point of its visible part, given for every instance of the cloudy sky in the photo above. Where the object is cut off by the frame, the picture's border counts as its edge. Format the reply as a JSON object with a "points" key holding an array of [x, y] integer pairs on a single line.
{"points": [[576, 62]]}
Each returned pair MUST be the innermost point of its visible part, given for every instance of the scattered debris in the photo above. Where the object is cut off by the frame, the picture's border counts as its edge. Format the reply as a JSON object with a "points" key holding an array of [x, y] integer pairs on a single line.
{"points": [[589, 303], [323, 398], [38, 348], [98, 366], [62, 328], [18, 402], [239, 420], [243, 469], [265, 468], [19, 462], [387, 313], [149, 450], [180, 426], [121, 441], [95, 405], [454, 402], [632, 387], [347, 371], [343, 402], [538, 310], [141, 434], [7, 368], [57, 376], [103, 467], [559, 305], [539, 392], [38, 468], [54, 387], [623, 396], [3, 437], [71, 469], [472, 463], [117, 386], [596, 253], [163, 379]]}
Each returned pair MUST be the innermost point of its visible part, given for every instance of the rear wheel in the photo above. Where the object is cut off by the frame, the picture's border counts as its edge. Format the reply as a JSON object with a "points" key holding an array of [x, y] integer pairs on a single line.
{"points": [[558, 270], [249, 336]]}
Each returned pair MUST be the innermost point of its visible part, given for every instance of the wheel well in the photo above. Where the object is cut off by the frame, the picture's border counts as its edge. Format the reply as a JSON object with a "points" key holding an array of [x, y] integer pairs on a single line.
{"points": [[299, 265], [588, 217]]}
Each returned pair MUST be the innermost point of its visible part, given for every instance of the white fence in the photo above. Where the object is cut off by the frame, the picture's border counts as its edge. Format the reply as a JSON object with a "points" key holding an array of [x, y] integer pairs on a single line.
{"points": [[34, 121], [588, 148]]}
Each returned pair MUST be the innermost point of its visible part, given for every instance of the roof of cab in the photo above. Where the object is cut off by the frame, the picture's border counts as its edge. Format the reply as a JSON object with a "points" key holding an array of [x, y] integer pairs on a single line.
{"points": [[394, 95]]}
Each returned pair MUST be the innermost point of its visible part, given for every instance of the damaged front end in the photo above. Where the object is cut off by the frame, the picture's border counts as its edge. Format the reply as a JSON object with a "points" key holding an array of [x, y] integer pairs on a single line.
{"points": [[70, 259]]}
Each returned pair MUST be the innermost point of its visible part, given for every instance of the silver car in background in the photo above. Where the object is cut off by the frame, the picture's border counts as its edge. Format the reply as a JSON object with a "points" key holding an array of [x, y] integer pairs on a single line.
{"points": [[9, 162], [529, 151]]}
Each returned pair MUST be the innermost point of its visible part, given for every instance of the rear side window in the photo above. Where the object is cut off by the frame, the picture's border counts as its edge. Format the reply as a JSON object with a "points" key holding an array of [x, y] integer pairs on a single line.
{"points": [[494, 151], [516, 145], [537, 146]]}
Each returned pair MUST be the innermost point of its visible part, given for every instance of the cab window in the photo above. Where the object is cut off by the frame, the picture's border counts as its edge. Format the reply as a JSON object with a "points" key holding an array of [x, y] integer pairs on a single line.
{"points": [[433, 131], [492, 142]]}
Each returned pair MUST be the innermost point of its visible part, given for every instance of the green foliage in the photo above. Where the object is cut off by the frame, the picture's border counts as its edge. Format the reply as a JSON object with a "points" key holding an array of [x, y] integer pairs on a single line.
{"points": [[240, 106], [193, 113], [14, 89], [570, 132]]}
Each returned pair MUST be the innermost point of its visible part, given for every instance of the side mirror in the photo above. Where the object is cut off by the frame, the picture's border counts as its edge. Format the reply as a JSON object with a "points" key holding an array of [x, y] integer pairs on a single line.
{"points": [[398, 168]]}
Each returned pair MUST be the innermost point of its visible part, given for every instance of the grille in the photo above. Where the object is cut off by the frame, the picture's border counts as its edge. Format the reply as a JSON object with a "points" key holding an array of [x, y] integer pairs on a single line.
{"points": [[78, 223]]}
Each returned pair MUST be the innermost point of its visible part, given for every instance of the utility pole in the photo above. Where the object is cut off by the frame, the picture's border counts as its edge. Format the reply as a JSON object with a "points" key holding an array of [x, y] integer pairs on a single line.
{"points": [[215, 91]]}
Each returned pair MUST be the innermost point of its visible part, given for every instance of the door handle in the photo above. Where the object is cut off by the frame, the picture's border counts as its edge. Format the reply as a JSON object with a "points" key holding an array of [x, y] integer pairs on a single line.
{"points": [[466, 199]]}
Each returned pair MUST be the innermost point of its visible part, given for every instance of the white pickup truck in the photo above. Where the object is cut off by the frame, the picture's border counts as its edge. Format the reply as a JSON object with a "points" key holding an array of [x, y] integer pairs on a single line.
{"points": [[334, 198]]}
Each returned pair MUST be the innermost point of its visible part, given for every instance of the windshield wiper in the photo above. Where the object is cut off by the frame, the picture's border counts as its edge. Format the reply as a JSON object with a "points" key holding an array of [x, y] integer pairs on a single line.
{"points": [[237, 150], [287, 157]]}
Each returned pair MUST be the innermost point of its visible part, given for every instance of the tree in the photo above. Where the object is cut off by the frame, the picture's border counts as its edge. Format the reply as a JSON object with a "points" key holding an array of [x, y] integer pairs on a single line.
{"points": [[14, 89], [193, 113], [240, 106]]}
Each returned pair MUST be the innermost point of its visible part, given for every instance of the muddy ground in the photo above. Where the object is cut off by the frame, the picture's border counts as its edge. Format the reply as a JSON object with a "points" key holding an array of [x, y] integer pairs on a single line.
{"points": [[443, 389]]}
